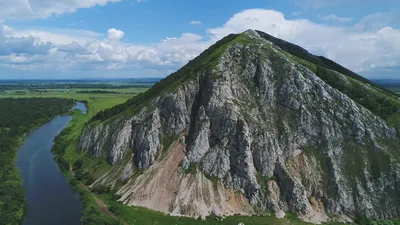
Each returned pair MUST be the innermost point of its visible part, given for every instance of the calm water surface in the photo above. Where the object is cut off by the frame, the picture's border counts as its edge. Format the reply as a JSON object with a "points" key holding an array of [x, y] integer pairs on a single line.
{"points": [[81, 106], [50, 199]]}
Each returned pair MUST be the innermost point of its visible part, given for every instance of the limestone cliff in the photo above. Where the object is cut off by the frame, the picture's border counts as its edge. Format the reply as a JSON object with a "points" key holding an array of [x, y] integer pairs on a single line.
{"points": [[254, 129]]}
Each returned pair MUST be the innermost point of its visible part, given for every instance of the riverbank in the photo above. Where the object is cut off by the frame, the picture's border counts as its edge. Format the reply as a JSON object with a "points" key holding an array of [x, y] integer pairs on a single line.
{"points": [[47, 191], [67, 156], [17, 120], [12, 194]]}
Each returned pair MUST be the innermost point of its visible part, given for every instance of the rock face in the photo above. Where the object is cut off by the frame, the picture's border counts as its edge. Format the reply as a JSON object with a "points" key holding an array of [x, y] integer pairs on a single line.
{"points": [[254, 131]]}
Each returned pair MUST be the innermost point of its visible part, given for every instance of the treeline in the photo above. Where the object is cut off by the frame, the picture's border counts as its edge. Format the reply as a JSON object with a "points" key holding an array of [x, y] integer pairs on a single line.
{"points": [[103, 92], [98, 92], [17, 117], [200, 63], [36, 86]]}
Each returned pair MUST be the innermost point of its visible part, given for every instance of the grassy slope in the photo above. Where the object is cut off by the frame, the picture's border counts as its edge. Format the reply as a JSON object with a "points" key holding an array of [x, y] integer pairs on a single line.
{"points": [[190, 71], [303, 54], [384, 103], [142, 216]]}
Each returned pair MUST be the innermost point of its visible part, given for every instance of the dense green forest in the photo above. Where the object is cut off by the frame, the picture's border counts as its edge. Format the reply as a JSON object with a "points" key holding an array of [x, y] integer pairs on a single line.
{"points": [[17, 118]]}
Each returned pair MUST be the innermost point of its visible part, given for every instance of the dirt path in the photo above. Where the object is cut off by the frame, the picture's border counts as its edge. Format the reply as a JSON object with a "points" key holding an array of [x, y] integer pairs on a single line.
{"points": [[103, 207]]}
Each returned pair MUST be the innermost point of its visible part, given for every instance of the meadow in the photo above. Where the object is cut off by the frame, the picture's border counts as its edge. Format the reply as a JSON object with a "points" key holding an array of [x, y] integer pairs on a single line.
{"points": [[96, 101]]}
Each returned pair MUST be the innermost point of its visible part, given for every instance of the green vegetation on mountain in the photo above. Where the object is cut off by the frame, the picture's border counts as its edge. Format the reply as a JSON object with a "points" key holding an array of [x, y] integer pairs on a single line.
{"points": [[17, 118], [379, 100], [376, 100], [189, 71], [321, 61]]}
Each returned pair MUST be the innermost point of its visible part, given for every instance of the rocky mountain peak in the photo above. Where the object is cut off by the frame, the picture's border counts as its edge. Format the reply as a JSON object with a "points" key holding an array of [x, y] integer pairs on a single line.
{"points": [[255, 125]]}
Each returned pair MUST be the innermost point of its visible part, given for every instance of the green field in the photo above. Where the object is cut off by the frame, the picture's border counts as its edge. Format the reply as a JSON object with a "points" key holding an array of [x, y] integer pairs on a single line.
{"points": [[53, 92], [96, 101]]}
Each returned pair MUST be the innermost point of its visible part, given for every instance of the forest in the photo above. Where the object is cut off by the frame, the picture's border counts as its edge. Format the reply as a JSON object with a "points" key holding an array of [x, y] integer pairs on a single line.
{"points": [[18, 117]]}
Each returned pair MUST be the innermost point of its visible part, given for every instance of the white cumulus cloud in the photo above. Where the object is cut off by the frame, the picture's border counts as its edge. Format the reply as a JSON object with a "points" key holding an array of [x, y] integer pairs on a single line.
{"points": [[359, 50], [366, 46], [114, 35], [31, 9]]}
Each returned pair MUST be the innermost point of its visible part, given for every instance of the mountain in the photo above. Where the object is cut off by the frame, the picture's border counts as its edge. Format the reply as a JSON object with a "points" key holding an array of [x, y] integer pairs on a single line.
{"points": [[254, 125]]}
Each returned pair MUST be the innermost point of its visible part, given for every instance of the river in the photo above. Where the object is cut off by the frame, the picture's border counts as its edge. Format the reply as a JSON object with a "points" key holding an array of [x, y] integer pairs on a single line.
{"points": [[50, 199]]}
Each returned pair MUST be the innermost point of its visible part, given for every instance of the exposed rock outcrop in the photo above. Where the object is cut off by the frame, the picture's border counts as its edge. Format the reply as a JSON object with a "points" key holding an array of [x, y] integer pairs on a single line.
{"points": [[256, 131]]}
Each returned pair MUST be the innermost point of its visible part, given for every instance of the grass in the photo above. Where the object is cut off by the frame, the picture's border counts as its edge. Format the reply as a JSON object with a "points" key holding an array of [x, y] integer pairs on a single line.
{"points": [[167, 142], [104, 98], [97, 102], [141, 216], [192, 169]]}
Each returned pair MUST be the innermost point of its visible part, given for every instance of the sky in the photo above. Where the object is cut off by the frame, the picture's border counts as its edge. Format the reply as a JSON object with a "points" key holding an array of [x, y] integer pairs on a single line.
{"points": [[59, 39]]}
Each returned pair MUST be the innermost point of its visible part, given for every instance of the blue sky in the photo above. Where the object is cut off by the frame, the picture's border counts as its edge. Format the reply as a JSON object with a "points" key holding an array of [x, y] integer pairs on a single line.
{"points": [[152, 38]]}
